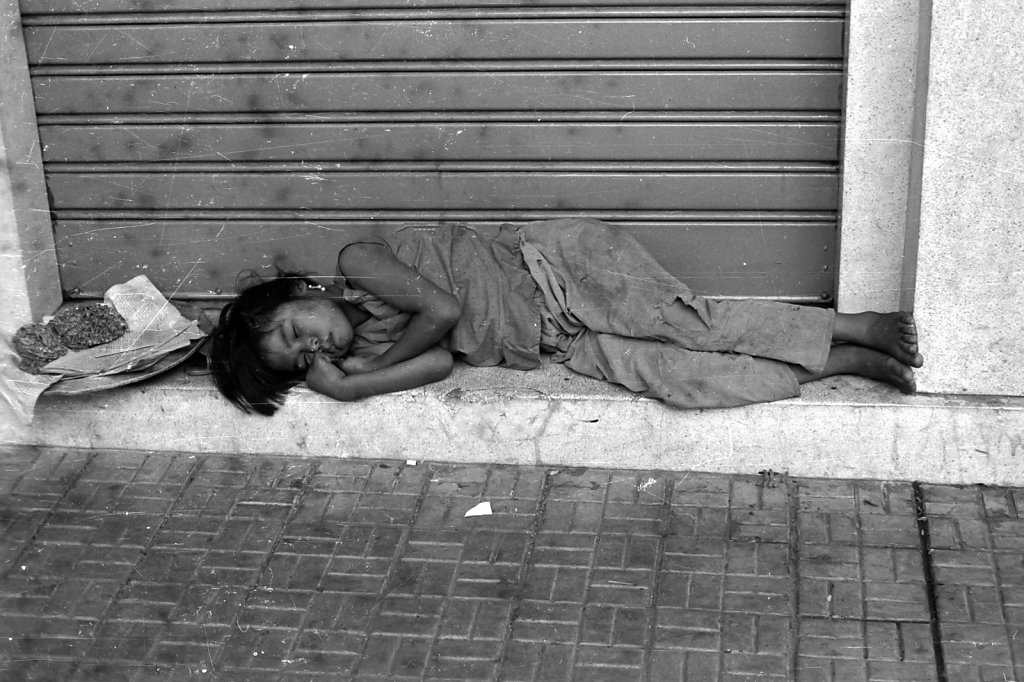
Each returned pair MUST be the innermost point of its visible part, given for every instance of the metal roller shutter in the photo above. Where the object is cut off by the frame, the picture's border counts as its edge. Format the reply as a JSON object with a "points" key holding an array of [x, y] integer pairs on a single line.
{"points": [[191, 139]]}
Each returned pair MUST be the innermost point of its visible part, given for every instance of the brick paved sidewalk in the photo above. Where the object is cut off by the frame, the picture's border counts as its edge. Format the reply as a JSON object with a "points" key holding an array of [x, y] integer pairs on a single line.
{"points": [[166, 566]]}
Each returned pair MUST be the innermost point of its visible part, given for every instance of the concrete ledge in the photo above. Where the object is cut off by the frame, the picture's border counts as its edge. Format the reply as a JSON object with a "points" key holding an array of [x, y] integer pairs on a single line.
{"points": [[843, 428]]}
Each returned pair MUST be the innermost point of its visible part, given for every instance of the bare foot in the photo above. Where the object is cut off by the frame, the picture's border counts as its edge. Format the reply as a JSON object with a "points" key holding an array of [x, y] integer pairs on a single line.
{"points": [[884, 367], [892, 333], [864, 362]]}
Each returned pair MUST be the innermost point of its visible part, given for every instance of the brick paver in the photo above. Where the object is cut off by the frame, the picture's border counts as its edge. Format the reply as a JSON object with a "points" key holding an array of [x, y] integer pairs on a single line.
{"points": [[169, 566]]}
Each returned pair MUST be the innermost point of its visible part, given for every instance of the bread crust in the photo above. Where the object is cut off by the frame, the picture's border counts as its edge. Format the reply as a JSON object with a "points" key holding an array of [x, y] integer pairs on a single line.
{"points": [[37, 345], [74, 328], [88, 325]]}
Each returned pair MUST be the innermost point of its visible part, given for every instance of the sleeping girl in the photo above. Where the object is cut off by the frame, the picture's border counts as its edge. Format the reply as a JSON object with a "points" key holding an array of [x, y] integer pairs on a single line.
{"points": [[405, 302]]}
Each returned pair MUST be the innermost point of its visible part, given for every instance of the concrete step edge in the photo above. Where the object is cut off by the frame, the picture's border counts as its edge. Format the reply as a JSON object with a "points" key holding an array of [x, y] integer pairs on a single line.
{"points": [[839, 428]]}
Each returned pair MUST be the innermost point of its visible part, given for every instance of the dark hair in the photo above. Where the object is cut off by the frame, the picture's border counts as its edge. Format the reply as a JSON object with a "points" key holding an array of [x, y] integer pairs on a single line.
{"points": [[236, 362]]}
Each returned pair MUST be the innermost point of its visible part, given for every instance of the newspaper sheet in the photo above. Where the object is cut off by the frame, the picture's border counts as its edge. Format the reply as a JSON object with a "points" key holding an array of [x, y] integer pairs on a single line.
{"points": [[155, 328]]}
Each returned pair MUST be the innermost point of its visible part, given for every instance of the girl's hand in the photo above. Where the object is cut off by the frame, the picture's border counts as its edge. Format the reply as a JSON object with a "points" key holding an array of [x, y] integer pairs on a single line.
{"points": [[322, 374], [358, 364]]}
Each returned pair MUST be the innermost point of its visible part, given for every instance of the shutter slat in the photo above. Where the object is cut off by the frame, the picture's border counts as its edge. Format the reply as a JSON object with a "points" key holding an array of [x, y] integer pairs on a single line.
{"points": [[424, 190], [509, 91], [443, 142], [434, 40], [150, 6]]}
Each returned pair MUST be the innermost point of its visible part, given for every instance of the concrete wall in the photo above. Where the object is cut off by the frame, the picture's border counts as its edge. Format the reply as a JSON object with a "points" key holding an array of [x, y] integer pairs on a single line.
{"points": [[878, 144], [969, 294], [28, 264]]}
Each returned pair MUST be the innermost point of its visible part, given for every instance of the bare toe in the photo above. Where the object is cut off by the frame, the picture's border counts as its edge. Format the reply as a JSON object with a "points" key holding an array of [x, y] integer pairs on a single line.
{"points": [[895, 334], [900, 376], [908, 340]]}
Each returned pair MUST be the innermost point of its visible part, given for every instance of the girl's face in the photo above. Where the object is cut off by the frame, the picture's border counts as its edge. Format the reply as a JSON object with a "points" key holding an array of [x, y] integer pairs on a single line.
{"points": [[300, 328]]}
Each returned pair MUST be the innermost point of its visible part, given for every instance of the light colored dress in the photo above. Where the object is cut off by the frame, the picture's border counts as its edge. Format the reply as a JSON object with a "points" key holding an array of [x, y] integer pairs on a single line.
{"points": [[595, 298]]}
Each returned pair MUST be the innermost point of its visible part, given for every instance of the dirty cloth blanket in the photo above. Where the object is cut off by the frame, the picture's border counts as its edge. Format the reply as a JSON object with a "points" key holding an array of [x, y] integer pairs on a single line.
{"points": [[594, 297]]}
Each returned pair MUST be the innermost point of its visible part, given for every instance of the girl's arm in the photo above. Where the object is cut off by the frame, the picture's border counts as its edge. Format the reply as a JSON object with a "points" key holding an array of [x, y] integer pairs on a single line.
{"points": [[429, 366], [373, 268]]}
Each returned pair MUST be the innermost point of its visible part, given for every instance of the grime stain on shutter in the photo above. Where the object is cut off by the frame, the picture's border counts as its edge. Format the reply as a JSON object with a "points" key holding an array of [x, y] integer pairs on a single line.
{"points": [[192, 139]]}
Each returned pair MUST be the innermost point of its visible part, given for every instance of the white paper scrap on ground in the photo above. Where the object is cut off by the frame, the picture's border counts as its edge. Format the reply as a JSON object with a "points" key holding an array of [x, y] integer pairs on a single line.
{"points": [[647, 484], [482, 509]]}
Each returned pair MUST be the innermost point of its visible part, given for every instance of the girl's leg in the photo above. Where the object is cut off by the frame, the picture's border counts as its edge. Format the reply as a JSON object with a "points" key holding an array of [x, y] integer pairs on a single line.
{"points": [[610, 284], [682, 378], [691, 379], [865, 362]]}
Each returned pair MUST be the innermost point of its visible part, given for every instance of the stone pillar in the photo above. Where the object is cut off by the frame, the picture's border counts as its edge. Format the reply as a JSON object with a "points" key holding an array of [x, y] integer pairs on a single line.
{"points": [[969, 293], [29, 280], [877, 151]]}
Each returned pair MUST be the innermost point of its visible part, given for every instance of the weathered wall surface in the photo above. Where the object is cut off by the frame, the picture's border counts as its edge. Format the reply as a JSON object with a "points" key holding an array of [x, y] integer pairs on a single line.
{"points": [[970, 294], [877, 141], [28, 263]]}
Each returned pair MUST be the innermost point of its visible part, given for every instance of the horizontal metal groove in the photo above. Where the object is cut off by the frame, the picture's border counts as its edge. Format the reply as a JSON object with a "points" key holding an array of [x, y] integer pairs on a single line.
{"points": [[340, 223], [539, 166], [602, 67], [811, 218], [304, 118], [186, 295], [806, 300], [420, 14]]}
